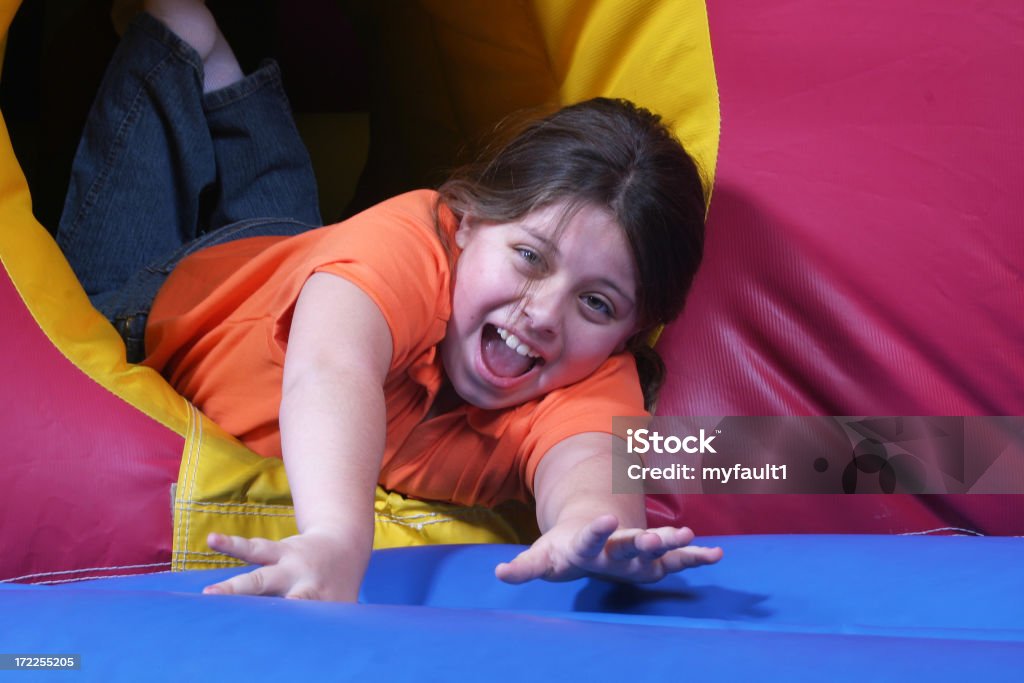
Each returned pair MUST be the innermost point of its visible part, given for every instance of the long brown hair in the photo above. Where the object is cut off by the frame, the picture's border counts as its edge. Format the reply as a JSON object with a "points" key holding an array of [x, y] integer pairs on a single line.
{"points": [[615, 155]]}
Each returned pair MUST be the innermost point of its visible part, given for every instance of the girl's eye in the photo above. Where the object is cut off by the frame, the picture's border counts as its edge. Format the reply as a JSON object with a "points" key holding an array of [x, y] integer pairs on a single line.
{"points": [[530, 256], [596, 303]]}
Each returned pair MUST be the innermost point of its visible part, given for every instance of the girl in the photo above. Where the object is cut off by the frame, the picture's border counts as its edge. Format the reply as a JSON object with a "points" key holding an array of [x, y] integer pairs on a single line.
{"points": [[468, 345]]}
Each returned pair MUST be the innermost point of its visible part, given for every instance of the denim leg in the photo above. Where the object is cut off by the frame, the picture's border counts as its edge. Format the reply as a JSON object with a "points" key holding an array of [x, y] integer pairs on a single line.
{"points": [[264, 169], [143, 163], [164, 170]]}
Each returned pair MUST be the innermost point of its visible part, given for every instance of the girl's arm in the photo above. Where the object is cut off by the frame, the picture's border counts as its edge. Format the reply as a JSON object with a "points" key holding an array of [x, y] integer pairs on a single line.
{"points": [[588, 530], [333, 426]]}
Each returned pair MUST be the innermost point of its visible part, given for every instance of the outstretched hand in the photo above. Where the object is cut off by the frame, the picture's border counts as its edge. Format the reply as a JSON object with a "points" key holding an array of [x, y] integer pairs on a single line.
{"points": [[308, 566], [599, 548]]}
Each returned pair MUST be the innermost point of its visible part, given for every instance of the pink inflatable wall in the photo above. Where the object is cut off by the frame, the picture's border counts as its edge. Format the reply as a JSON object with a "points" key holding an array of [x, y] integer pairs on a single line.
{"points": [[865, 250]]}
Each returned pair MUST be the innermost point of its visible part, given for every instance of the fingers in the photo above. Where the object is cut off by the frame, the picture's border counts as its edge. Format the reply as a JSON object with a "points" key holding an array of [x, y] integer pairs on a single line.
{"points": [[647, 544], [526, 566], [541, 561], [689, 557], [673, 537], [590, 541], [645, 555], [251, 550], [259, 582], [309, 567], [267, 580]]}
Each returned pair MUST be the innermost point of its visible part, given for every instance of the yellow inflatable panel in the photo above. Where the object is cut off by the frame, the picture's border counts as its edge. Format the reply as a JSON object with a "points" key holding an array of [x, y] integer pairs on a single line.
{"points": [[225, 487], [478, 62], [657, 54]]}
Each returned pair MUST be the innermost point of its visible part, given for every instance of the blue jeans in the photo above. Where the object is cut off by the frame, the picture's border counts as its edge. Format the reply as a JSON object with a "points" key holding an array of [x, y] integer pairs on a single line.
{"points": [[163, 170]]}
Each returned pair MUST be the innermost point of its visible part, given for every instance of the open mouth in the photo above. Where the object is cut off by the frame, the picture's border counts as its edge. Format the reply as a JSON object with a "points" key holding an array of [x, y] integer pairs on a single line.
{"points": [[504, 355]]}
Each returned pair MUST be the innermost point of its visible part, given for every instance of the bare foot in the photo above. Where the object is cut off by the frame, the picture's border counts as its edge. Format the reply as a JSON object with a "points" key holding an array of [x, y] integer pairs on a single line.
{"points": [[193, 23]]}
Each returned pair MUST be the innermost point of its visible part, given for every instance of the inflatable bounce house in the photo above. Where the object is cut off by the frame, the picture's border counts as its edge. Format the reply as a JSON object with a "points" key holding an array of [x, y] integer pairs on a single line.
{"points": [[864, 256]]}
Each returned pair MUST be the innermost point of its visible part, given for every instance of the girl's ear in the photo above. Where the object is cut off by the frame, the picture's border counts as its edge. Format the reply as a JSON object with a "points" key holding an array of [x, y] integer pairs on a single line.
{"points": [[462, 232], [628, 342]]}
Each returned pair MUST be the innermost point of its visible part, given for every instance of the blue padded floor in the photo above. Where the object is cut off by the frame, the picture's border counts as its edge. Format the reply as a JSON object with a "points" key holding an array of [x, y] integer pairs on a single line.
{"points": [[788, 608]]}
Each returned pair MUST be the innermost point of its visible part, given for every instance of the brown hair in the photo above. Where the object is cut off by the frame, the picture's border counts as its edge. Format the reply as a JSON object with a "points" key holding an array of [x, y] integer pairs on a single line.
{"points": [[615, 155]]}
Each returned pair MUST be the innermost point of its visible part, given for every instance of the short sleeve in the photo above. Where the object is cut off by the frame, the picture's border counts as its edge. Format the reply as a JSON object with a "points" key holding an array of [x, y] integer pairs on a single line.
{"points": [[587, 406], [393, 253]]}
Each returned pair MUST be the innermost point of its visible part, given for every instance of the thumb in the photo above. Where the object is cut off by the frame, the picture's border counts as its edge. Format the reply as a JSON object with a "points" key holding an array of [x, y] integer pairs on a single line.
{"points": [[526, 566]]}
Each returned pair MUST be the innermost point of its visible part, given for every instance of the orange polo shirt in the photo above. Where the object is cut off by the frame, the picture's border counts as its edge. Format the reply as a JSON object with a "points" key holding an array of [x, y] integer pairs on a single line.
{"points": [[219, 327]]}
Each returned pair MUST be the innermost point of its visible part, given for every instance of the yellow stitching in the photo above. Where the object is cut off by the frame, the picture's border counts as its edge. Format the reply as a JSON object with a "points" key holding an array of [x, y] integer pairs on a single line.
{"points": [[240, 505], [183, 486], [217, 557], [451, 513], [384, 519], [201, 552], [418, 525], [262, 505], [197, 507], [195, 474], [190, 446], [193, 455], [176, 535], [190, 478], [179, 540]]}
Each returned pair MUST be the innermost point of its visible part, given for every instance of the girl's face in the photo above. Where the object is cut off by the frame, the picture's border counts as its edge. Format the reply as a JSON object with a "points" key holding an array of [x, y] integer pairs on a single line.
{"points": [[533, 311]]}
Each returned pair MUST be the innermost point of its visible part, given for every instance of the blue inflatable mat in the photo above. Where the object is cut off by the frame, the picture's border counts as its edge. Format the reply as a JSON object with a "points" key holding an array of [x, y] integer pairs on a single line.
{"points": [[788, 608]]}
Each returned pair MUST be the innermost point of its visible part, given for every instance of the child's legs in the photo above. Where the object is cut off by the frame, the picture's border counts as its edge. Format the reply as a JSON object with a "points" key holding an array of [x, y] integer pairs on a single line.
{"points": [[163, 171], [143, 164], [264, 186], [264, 170]]}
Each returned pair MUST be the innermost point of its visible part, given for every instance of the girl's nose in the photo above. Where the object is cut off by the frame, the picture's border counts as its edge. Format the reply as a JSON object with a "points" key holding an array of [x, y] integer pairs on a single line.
{"points": [[542, 311]]}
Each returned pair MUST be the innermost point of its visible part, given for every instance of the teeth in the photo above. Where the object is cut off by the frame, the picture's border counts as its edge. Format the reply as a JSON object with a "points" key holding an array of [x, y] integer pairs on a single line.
{"points": [[512, 341]]}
